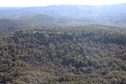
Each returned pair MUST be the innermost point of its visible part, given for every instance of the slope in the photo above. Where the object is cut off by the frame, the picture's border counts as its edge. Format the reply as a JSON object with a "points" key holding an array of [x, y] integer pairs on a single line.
{"points": [[30, 21], [68, 56]]}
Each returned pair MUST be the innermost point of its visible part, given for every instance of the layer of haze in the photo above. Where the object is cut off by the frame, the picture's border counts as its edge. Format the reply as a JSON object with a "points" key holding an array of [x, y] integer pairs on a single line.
{"points": [[25, 3]]}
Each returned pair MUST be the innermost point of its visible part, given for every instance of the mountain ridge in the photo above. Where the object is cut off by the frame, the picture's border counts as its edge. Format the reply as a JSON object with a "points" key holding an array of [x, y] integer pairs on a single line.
{"points": [[59, 10]]}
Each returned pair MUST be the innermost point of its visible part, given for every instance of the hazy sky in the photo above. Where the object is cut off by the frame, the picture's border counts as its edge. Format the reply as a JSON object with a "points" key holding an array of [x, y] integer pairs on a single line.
{"points": [[56, 2]]}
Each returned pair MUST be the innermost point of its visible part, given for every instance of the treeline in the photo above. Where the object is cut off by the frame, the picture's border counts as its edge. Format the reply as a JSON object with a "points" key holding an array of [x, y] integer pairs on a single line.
{"points": [[70, 56]]}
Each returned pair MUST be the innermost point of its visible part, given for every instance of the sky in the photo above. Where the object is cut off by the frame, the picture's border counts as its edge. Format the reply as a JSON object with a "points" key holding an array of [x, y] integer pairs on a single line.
{"points": [[26, 3]]}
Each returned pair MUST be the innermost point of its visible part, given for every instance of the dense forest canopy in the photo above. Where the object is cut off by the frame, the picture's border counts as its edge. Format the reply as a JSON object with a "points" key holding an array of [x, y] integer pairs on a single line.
{"points": [[79, 55], [59, 45]]}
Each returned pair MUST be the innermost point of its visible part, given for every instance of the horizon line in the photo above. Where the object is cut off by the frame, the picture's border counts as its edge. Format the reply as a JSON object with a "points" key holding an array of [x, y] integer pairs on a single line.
{"points": [[64, 4]]}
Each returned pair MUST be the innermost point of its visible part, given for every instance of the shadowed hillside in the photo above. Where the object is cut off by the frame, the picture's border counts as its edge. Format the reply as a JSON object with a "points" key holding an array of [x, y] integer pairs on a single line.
{"points": [[33, 21]]}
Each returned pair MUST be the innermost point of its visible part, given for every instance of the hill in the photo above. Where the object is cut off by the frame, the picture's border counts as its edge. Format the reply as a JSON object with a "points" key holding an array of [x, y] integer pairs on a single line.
{"points": [[67, 56], [10, 25], [31, 21], [45, 21], [81, 15], [64, 10]]}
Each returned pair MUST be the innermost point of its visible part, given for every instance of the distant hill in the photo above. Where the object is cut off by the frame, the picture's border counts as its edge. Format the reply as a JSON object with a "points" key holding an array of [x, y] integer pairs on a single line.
{"points": [[72, 15], [31, 21], [43, 20], [13, 12], [47, 21], [10, 25], [119, 20], [64, 10]]}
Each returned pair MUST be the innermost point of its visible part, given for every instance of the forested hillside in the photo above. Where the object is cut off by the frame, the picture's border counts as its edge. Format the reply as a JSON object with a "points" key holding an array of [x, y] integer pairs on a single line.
{"points": [[45, 21], [75, 55], [63, 44], [111, 15], [34, 21], [10, 25]]}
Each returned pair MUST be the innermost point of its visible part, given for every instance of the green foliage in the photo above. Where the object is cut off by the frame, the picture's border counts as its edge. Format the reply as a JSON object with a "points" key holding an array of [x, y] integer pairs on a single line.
{"points": [[71, 56]]}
